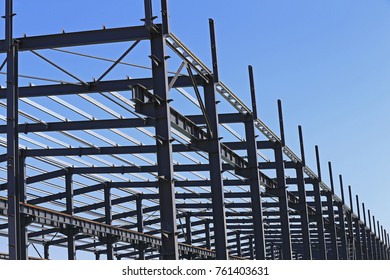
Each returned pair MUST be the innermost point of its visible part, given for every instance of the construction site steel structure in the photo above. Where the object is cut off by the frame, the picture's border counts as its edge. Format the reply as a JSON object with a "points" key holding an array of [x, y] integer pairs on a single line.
{"points": [[117, 168]]}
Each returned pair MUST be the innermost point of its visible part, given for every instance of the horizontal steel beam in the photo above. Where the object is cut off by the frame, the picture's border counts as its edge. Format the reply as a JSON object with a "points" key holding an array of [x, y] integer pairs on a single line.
{"points": [[62, 40], [60, 220], [93, 87], [81, 125]]}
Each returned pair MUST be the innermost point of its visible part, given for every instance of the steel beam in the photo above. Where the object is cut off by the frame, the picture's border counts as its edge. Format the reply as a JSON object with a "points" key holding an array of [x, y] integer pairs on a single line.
{"points": [[103, 36], [60, 220], [93, 87], [82, 125]]}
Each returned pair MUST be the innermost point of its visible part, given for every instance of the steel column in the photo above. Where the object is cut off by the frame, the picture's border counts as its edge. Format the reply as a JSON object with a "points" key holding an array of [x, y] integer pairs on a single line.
{"points": [[108, 221], [257, 209], [140, 226], [188, 229], [70, 211], [373, 241], [215, 161], [23, 238], [343, 237], [12, 135], [164, 146], [282, 190], [334, 254], [318, 206], [238, 243], [251, 251], [306, 243], [360, 230], [367, 233], [207, 233]]}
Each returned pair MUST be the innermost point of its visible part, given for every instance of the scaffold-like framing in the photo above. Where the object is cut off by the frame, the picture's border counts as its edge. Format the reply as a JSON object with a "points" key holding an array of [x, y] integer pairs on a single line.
{"points": [[122, 169]]}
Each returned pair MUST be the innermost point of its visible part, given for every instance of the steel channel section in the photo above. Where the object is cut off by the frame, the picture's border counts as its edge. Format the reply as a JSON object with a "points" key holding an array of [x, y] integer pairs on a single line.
{"points": [[164, 149]]}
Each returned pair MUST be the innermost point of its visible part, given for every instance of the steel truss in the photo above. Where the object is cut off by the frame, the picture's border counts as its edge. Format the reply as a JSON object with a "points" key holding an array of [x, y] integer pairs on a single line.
{"points": [[179, 190]]}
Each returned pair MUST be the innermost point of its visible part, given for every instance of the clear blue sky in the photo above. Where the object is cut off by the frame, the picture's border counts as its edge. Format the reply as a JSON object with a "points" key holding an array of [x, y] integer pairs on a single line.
{"points": [[328, 60]]}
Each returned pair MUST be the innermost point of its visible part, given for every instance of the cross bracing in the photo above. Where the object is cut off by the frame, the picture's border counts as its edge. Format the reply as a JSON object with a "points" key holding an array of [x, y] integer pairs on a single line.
{"points": [[156, 162]]}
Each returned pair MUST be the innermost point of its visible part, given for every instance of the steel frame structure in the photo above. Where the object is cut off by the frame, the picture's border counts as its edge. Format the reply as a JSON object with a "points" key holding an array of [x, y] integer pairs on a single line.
{"points": [[134, 198]]}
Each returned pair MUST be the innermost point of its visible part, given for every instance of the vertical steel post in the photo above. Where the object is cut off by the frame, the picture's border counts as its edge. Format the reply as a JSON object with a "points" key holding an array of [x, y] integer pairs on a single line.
{"points": [[69, 210], [343, 251], [386, 244], [46, 252], [355, 224], [360, 235], [164, 146], [334, 254], [378, 256], [304, 216], [368, 235], [108, 221], [383, 244], [238, 243], [165, 17], [380, 244], [282, 190], [188, 232], [188, 229], [253, 166], [148, 13], [251, 251], [12, 135], [318, 207], [22, 198], [362, 229], [373, 242], [140, 226], [215, 161], [207, 233]]}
